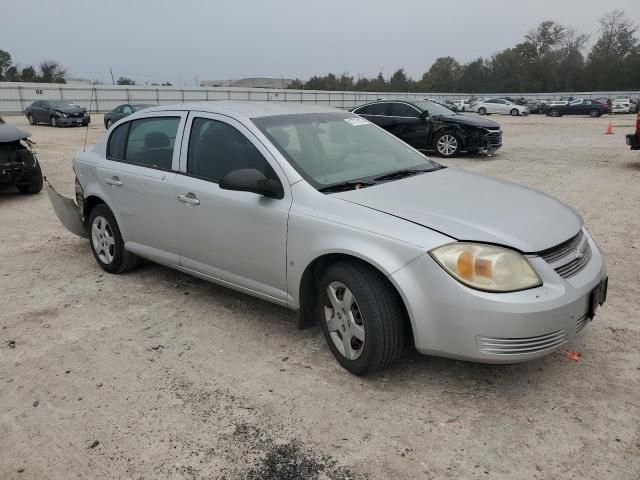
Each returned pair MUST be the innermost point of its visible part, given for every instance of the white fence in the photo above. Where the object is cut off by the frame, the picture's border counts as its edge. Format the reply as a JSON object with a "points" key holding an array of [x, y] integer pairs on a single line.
{"points": [[15, 96]]}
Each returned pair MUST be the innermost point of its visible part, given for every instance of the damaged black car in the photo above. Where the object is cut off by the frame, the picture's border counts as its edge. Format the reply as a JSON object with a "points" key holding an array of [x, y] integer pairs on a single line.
{"points": [[428, 126], [57, 113], [18, 163]]}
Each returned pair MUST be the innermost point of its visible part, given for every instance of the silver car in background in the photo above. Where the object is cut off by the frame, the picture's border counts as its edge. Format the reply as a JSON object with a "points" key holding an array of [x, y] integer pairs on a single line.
{"points": [[320, 211]]}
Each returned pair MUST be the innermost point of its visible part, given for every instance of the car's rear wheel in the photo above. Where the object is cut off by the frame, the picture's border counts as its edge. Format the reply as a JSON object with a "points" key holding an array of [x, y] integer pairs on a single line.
{"points": [[32, 120], [482, 111], [53, 121], [594, 113], [361, 317], [447, 144], [106, 241], [514, 112], [33, 183]]}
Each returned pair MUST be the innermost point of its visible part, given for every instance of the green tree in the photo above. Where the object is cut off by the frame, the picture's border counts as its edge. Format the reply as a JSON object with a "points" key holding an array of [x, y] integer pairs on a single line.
{"points": [[5, 62], [400, 82], [125, 81], [442, 76], [29, 74], [52, 72]]}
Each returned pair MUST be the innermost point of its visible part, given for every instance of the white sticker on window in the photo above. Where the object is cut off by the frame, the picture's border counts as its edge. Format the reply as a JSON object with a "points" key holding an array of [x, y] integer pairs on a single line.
{"points": [[356, 122]]}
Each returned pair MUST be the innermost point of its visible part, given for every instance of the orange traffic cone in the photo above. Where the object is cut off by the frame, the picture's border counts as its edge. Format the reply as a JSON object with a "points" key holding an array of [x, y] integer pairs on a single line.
{"points": [[609, 129]]}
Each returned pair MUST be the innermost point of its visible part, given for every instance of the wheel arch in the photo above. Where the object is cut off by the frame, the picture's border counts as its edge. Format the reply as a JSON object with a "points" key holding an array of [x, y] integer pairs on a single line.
{"points": [[312, 274], [89, 203]]}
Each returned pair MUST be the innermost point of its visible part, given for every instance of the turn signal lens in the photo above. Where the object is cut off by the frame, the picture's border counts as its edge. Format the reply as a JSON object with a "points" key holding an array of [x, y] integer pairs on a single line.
{"points": [[487, 267]]}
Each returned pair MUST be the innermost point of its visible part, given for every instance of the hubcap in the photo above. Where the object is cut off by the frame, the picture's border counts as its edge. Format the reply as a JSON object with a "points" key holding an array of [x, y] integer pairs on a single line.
{"points": [[447, 144], [344, 321], [103, 240]]}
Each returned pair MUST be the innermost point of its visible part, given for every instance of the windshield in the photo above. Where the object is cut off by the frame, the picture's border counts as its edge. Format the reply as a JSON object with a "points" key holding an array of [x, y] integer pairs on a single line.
{"points": [[140, 107], [433, 108], [333, 148]]}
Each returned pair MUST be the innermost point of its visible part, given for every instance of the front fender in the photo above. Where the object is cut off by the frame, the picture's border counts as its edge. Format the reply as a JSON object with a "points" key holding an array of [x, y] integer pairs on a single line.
{"points": [[67, 211]]}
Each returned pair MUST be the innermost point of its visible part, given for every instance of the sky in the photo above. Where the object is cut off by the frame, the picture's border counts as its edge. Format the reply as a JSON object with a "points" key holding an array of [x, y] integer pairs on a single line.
{"points": [[183, 40]]}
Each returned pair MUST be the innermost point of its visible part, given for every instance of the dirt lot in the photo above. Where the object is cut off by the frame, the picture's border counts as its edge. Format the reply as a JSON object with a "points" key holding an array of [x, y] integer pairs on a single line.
{"points": [[157, 375]]}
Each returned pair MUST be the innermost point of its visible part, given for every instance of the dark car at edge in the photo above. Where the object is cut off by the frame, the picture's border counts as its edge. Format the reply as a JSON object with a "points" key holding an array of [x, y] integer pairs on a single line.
{"points": [[582, 106], [122, 111], [18, 163], [428, 126], [57, 113]]}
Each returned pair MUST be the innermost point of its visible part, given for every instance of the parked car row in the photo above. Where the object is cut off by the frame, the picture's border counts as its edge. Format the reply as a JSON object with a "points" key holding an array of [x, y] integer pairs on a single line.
{"points": [[62, 113]]}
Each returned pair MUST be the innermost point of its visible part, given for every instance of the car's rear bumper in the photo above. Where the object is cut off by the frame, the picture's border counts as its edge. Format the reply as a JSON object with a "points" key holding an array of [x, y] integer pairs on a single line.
{"points": [[67, 212], [452, 320]]}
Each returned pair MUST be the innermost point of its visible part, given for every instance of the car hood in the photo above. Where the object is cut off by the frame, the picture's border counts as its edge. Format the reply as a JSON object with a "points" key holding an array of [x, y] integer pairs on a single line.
{"points": [[70, 109], [468, 206], [468, 120], [9, 133]]}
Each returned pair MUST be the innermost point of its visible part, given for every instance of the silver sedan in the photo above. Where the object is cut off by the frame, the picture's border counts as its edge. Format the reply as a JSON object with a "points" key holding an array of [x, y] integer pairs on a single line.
{"points": [[322, 212]]}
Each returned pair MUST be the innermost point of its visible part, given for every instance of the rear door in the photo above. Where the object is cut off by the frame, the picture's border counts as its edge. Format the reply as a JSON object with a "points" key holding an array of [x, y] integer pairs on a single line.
{"points": [[405, 123], [138, 175]]}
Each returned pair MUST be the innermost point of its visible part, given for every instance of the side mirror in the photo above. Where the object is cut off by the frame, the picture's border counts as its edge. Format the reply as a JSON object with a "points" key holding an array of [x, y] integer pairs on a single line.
{"points": [[424, 115], [252, 180]]}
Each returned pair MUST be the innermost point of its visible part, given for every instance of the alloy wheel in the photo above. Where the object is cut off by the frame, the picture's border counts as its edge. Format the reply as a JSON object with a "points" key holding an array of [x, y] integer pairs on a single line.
{"points": [[447, 145], [103, 240], [54, 121], [344, 321]]}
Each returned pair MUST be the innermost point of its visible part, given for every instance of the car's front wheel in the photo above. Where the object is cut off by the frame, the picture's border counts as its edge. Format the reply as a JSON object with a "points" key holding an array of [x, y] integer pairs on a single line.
{"points": [[361, 317], [482, 111], [514, 112], [53, 121], [447, 144], [32, 120], [106, 241], [108, 124]]}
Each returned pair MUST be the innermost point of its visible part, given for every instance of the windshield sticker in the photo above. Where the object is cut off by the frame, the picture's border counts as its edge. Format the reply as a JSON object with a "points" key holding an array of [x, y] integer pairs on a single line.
{"points": [[356, 122]]}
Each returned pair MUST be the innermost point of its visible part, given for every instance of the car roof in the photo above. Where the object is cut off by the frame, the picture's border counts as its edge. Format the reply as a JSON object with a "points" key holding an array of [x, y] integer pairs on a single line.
{"points": [[249, 109]]}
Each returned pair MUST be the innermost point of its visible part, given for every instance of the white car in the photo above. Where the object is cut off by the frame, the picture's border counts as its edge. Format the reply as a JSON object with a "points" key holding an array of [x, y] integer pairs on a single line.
{"points": [[463, 105], [623, 105], [498, 105]]}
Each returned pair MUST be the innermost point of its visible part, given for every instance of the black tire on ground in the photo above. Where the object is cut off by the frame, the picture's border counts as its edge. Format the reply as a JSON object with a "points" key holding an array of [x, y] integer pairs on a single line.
{"points": [[32, 120], [554, 113], [53, 121], [381, 311], [514, 112], [122, 259], [482, 111], [108, 124], [455, 139], [594, 113], [33, 184]]}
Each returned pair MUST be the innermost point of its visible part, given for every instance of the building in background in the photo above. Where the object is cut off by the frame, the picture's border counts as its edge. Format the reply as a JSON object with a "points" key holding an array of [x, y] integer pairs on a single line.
{"points": [[254, 82]]}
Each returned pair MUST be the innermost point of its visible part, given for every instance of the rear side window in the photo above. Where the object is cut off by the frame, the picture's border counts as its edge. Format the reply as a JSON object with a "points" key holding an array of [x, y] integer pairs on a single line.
{"points": [[150, 142], [216, 148], [373, 109], [117, 142], [403, 110]]}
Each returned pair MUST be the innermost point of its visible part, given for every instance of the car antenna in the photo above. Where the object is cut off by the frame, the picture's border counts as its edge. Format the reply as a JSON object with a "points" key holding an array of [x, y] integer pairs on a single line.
{"points": [[86, 132]]}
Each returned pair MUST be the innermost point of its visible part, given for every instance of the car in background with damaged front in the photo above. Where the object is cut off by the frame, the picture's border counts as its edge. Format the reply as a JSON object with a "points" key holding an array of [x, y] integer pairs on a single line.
{"points": [[428, 126], [57, 113], [18, 163]]}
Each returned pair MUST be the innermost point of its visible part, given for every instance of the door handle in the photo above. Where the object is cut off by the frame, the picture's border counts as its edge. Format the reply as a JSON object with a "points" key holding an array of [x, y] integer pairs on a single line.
{"points": [[189, 198], [115, 181]]}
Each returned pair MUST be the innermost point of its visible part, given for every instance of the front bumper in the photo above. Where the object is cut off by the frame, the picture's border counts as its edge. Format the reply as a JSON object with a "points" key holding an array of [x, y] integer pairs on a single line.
{"points": [[71, 121], [452, 320]]}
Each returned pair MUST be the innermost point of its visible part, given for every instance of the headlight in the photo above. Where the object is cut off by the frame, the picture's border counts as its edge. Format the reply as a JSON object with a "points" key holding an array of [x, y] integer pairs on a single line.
{"points": [[62, 114], [486, 267]]}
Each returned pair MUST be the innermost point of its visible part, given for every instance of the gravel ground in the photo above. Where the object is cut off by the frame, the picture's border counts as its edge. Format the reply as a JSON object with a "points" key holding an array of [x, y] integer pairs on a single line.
{"points": [[157, 375]]}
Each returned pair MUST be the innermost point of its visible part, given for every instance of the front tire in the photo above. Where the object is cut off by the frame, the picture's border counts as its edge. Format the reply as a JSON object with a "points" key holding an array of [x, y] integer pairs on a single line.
{"points": [[53, 121], [32, 121], [106, 241], [514, 112], [361, 317], [447, 144], [482, 111], [108, 124]]}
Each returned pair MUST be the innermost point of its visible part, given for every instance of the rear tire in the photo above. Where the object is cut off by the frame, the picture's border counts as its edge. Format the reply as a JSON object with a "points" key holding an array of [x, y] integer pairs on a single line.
{"points": [[34, 184], [106, 242], [366, 306], [482, 111]]}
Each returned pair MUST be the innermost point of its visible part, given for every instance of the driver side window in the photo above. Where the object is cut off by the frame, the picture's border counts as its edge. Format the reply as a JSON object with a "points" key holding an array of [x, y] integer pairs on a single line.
{"points": [[217, 148]]}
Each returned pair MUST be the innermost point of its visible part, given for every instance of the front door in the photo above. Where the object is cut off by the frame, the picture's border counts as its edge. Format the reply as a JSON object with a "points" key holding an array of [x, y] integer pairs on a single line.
{"points": [[237, 238]]}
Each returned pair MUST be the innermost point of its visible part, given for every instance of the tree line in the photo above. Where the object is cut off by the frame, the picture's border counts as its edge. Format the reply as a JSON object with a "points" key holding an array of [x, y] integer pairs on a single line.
{"points": [[552, 58], [48, 71]]}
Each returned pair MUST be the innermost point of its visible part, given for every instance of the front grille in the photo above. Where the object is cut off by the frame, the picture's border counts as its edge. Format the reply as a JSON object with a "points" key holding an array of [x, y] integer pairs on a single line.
{"points": [[494, 138], [518, 346], [76, 115], [568, 258]]}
